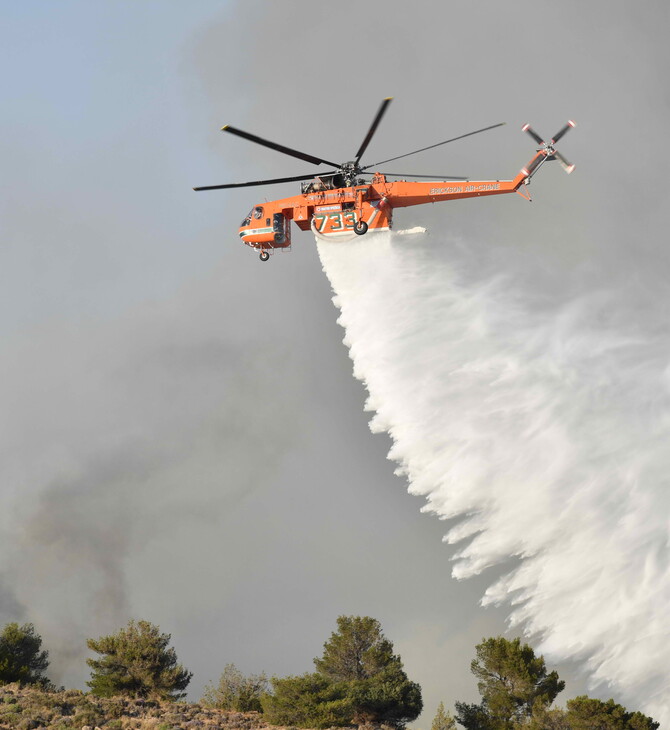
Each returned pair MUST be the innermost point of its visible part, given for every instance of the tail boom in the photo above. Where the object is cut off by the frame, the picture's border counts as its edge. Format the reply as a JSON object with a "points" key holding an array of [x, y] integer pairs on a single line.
{"points": [[403, 193]]}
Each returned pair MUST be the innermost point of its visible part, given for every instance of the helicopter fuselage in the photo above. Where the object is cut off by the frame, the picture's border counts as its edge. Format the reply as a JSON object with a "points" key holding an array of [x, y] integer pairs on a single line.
{"points": [[340, 212]]}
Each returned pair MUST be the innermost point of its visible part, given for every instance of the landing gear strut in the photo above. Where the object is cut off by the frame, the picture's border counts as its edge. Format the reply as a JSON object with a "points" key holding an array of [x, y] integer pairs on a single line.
{"points": [[361, 228], [264, 256]]}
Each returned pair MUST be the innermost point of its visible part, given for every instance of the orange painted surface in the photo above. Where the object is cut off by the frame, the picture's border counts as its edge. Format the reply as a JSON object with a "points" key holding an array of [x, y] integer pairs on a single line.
{"points": [[333, 213]]}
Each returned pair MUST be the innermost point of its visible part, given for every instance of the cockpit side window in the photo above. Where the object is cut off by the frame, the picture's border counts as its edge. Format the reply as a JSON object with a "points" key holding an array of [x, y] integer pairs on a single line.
{"points": [[258, 211]]}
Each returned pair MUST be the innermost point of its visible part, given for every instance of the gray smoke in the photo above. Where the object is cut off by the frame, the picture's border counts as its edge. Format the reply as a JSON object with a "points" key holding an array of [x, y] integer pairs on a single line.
{"points": [[124, 436]]}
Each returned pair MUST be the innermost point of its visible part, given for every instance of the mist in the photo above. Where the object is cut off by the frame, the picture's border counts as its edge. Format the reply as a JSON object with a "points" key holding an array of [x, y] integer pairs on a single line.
{"points": [[537, 428]]}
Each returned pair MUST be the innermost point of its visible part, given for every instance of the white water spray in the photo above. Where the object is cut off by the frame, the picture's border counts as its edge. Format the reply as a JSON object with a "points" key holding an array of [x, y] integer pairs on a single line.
{"points": [[543, 431]]}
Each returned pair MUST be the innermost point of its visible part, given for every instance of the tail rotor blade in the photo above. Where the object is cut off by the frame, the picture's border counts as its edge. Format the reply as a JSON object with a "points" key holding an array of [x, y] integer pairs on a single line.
{"points": [[564, 163], [533, 133], [563, 130]]}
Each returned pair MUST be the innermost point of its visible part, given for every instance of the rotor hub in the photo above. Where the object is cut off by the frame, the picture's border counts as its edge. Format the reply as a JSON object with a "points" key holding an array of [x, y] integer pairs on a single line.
{"points": [[349, 171]]}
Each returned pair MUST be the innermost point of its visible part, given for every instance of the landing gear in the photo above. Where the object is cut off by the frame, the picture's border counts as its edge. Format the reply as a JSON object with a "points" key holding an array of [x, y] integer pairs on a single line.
{"points": [[264, 256], [361, 228]]}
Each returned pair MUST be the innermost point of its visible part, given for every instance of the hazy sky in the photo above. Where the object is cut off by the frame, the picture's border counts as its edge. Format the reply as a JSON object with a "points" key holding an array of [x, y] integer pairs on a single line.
{"points": [[182, 437]]}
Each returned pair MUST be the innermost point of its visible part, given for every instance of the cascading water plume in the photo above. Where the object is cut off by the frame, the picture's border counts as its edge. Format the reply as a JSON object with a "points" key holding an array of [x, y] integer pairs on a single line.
{"points": [[541, 429]]}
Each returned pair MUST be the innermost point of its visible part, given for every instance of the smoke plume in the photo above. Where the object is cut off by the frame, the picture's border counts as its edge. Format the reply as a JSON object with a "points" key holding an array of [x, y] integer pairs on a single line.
{"points": [[129, 442]]}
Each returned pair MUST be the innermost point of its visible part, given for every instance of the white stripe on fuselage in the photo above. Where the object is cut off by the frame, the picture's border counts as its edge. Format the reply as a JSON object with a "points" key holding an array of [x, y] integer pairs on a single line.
{"points": [[255, 232]]}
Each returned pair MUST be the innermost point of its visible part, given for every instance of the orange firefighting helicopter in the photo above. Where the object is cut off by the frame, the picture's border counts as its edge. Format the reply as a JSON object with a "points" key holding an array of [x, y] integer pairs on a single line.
{"points": [[341, 203]]}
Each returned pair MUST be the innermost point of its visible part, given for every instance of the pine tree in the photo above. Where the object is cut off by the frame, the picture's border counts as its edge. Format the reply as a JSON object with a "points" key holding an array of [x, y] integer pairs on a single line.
{"points": [[359, 680], [378, 689], [513, 683], [137, 662], [20, 657], [517, 693], [443, 719], [357, 650]]}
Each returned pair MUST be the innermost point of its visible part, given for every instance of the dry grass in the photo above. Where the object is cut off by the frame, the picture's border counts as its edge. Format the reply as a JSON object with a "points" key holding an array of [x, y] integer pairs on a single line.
{"points": [[26, 708]]}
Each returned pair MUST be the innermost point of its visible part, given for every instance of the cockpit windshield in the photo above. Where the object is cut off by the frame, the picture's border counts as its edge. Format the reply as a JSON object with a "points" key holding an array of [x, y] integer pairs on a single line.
{"points": [[247, 220]]}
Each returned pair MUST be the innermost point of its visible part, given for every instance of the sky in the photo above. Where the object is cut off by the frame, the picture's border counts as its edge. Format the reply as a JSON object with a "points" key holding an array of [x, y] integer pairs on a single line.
{"points": [[183, 440]]}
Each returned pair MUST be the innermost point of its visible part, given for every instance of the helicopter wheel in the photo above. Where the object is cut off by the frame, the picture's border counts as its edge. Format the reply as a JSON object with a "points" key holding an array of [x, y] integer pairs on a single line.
{"points": [[361, 228], [264, 256]]}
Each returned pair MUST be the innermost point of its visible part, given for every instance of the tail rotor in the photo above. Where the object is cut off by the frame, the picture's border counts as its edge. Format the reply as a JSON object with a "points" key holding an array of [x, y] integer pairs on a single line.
{"points": [[548, 149]]}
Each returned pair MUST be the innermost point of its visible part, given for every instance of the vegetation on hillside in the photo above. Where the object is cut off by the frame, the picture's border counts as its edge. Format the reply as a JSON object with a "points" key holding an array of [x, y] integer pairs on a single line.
{"points": [[137, 683], [517, 693], [32, 708]]}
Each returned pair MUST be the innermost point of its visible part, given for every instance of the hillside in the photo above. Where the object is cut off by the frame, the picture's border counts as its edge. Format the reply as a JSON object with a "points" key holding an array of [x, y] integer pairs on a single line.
{"points": [[24, 708]]}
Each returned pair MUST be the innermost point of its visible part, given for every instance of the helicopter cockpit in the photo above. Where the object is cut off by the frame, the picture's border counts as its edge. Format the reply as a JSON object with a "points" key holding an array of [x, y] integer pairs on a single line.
{"points": [[265, 229], [256, 212]]}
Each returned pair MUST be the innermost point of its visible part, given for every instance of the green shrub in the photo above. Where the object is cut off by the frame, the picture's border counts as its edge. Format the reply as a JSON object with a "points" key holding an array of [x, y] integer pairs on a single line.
{"points": [[11, 705], [310, 700], [235, 691], [28, 723], [89, 716]]}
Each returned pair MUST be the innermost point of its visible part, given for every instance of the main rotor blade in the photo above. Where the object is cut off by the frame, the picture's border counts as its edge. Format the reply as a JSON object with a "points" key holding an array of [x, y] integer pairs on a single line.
{"points": [[278, 147], [562, 131], [437, 178], [373, 128], [264, 182], [430, 147]]}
